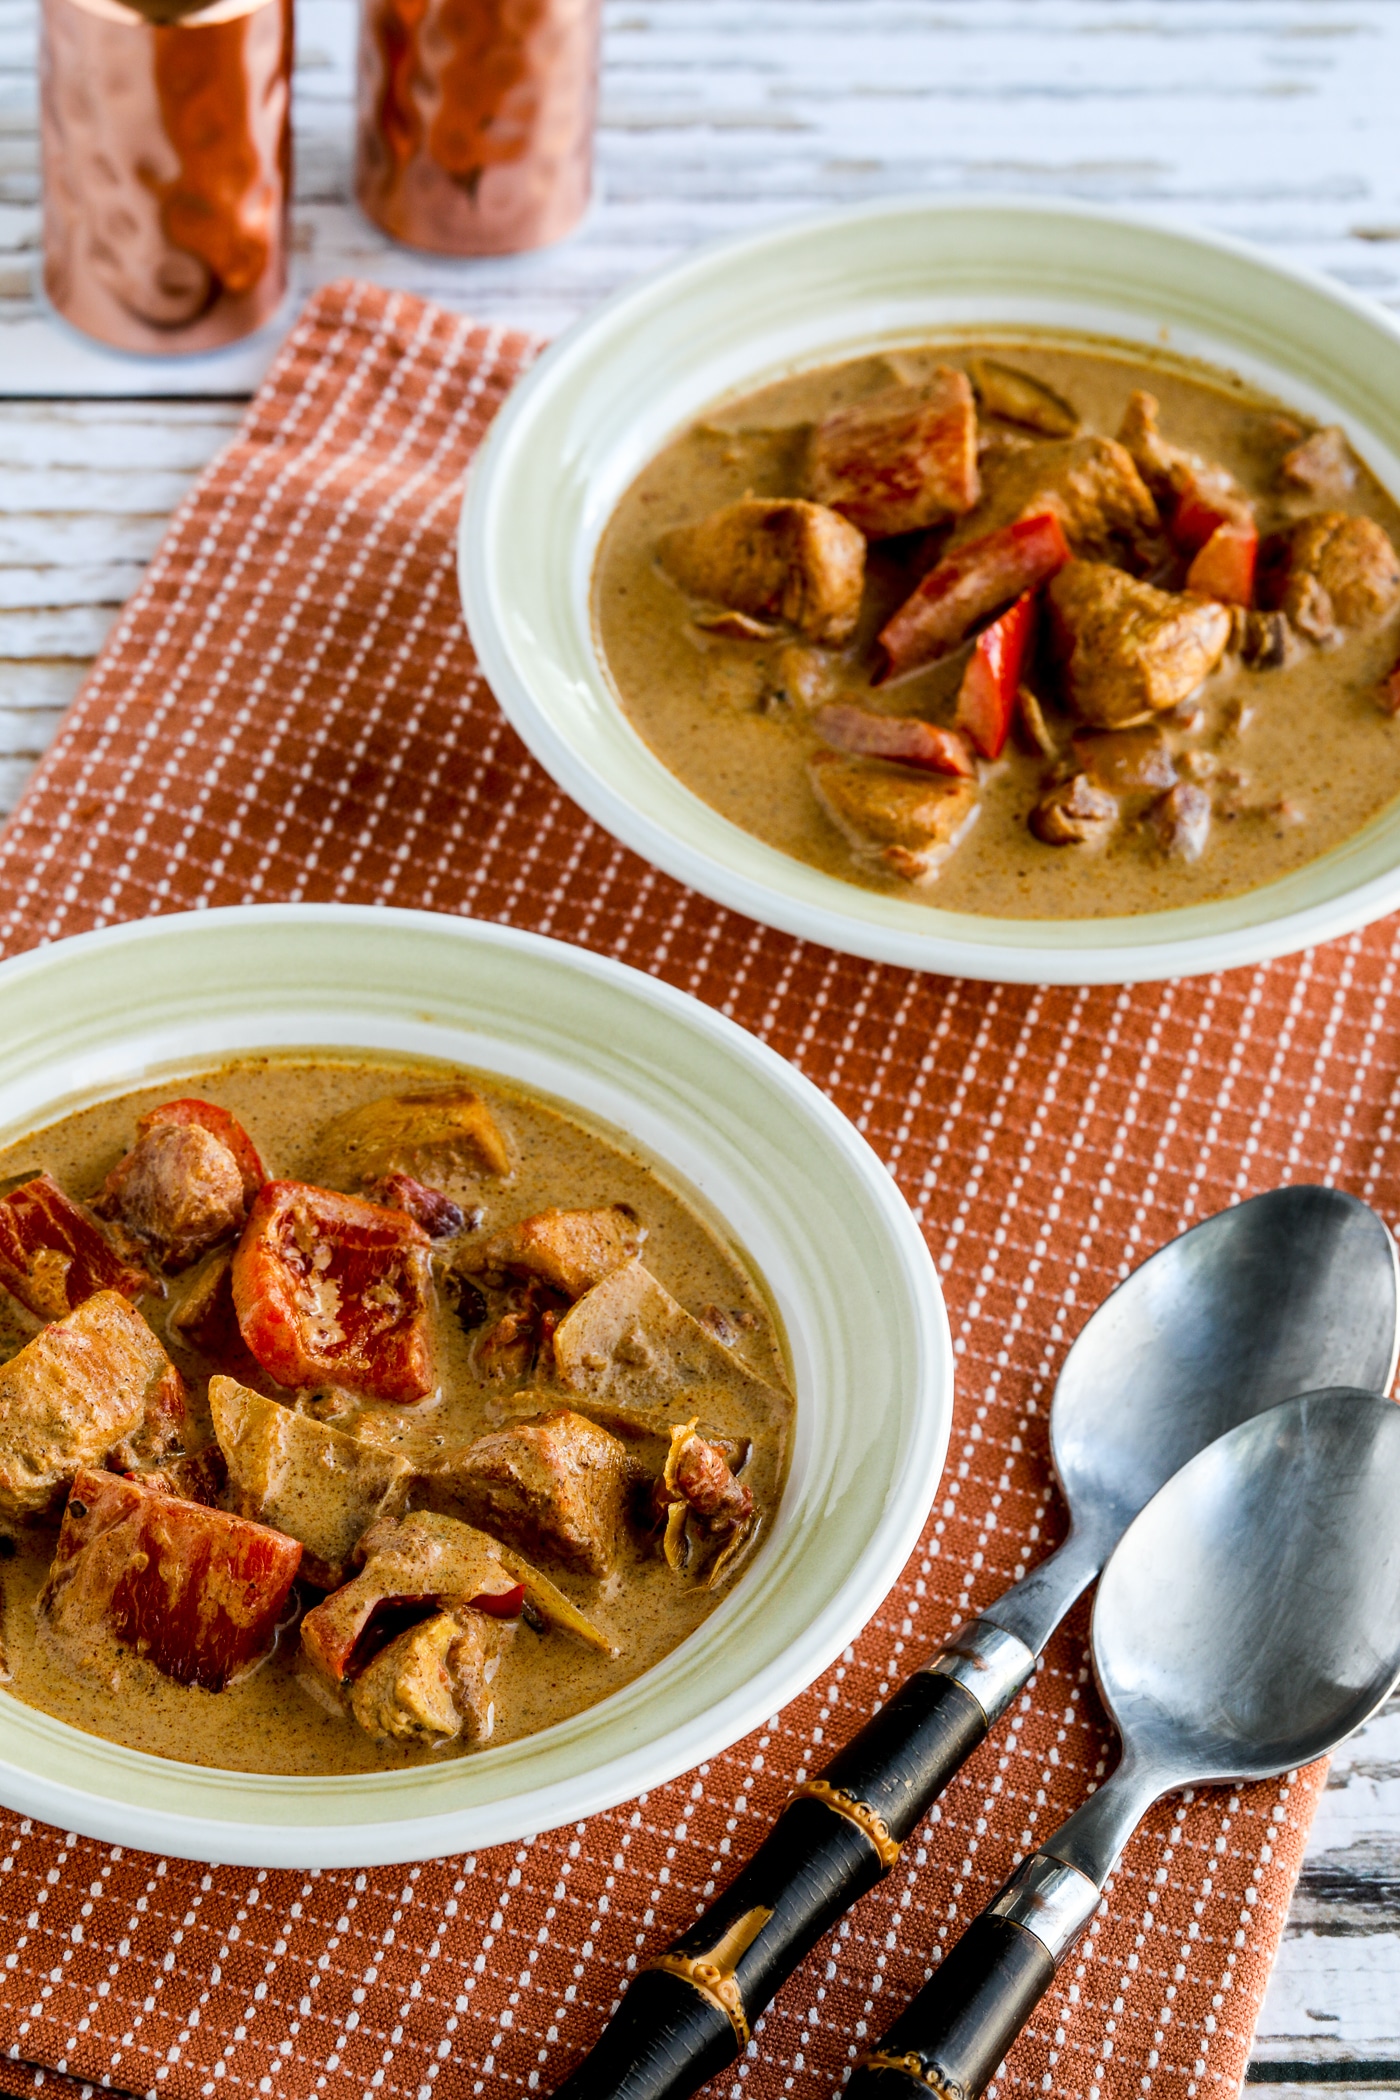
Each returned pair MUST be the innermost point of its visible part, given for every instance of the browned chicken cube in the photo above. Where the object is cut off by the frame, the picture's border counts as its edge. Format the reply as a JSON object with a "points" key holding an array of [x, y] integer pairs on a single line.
{"points": [[901, 822], [438, 1132], [570, 1250], [555, 1487], [1089, 483], [1129, 650], [900, 460], [773, 556], [304, 1477], [1331, 571], [1167, 469], [180, 1189], [92, 1386], [1323, 464], [432, 1682]]}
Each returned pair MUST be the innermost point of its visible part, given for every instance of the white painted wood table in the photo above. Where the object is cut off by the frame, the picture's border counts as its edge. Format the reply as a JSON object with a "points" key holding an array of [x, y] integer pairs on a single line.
{"points": [[1273, 119]]}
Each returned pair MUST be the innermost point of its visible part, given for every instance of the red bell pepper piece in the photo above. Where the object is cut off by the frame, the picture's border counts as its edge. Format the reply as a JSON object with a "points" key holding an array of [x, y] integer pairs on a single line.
{"points": [[975, 580], [1208, 500], [987, 695], [220, 1124], [1224, 567], [54, 1255], [195, 1591], [906, 739], [500, 1604], [331, 1287]]}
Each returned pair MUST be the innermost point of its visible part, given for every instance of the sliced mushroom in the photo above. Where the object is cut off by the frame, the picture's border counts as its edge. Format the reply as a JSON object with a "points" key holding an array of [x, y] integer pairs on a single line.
{"points": [[1076, 813], [1005, 391]]}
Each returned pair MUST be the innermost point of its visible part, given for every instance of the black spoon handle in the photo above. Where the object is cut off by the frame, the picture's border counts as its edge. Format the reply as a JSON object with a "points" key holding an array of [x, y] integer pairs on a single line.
{"points": [[951, 2037], [689, 2013]]}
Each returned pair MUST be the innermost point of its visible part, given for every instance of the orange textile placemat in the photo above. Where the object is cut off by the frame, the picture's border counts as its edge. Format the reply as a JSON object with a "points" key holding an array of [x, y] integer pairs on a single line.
{"points": [[289, 708]]}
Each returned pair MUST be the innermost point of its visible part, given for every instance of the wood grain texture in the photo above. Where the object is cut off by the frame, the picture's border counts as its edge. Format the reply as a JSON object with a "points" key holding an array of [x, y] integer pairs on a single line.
{"points": [[1271, 119]]}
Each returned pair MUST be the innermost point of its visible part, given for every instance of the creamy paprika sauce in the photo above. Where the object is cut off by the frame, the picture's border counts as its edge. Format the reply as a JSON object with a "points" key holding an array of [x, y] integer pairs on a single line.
{"points": [[1285, 747], [640, 1563]]}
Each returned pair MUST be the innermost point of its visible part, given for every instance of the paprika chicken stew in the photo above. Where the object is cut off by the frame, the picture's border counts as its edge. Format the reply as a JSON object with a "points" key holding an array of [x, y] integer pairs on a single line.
{"points": [[1034, 629], [354, 1414]]}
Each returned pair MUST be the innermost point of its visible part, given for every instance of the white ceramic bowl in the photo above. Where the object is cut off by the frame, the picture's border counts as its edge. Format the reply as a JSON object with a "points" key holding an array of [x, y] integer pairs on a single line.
{"points": [[608, 395], [763, 1150]]}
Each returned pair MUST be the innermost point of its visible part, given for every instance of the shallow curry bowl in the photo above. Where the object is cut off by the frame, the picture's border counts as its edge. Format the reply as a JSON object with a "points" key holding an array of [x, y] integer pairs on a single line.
{"points": [[605, 399], [728, 1122]]}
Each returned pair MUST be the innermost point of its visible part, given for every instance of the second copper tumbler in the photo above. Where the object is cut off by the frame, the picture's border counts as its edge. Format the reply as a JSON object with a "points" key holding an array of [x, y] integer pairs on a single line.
{"points": [[475, 132]]}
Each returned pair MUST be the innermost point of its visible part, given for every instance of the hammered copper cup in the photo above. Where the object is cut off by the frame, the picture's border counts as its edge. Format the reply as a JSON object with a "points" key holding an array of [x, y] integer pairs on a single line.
{"points": [[166, 158], [476, 120]]}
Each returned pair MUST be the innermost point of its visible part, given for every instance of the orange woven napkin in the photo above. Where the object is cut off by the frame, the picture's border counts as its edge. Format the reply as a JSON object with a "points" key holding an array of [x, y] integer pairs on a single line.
{"points": [[289, 708]]}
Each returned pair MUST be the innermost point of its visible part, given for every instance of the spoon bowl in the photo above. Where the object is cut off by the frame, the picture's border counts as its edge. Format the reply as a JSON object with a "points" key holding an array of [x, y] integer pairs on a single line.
{"points": [[1251, 1616]]}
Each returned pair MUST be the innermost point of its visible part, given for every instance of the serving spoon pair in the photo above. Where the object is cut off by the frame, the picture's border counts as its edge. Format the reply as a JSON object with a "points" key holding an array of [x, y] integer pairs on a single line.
{"points": [[1289, 1293]]}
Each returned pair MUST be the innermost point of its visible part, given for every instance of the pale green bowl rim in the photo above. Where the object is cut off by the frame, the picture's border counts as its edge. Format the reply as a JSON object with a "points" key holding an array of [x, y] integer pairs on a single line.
{"points": [[596, 405]]}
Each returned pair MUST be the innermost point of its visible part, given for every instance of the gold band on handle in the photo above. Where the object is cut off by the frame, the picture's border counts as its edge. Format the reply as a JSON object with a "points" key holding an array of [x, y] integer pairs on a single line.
{"points": [[712, 1974], [858, 1812], [913, 2067], [721, 1990]]}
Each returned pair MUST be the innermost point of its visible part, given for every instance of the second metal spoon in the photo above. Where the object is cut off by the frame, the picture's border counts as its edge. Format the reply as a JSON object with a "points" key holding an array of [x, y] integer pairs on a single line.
{"points": [[1248, 1620]]}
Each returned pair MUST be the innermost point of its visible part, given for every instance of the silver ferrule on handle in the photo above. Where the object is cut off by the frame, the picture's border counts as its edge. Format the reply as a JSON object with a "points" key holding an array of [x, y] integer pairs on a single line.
{"points": [[1053, 1901], [991, 1664]]}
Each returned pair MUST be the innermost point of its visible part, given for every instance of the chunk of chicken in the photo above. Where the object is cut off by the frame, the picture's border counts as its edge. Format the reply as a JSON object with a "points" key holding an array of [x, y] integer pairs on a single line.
{"points": [[179, 1189], [1089, 483], [431, 1683], [1129, 650], [899, 460], [1331, 571], [1165, 468], [139, 1576], [435, 1132], [900, 822], [570, 1250], [1323, 464], [554, 1487], [92, 1386], [304, 1477], [774, 556]]}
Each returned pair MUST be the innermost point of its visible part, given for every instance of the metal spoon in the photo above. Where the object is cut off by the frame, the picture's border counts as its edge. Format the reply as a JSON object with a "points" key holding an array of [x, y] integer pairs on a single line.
{"points": [[1293, 1290], [1248, 1620]]}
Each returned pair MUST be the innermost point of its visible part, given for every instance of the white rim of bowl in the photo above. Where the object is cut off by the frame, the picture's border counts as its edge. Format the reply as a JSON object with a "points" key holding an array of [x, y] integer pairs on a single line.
{"points": [[1122, 951], [523, 1814]]}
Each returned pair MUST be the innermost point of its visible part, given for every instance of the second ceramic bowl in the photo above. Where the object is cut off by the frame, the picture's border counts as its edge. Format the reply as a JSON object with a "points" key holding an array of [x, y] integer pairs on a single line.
{"points": [[609, 394], [799, 1191]]}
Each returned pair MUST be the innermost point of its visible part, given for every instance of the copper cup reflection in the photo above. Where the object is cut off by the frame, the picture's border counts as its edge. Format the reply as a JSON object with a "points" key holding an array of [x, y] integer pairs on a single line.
{"points": [[166, 157], [476, 120]]}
